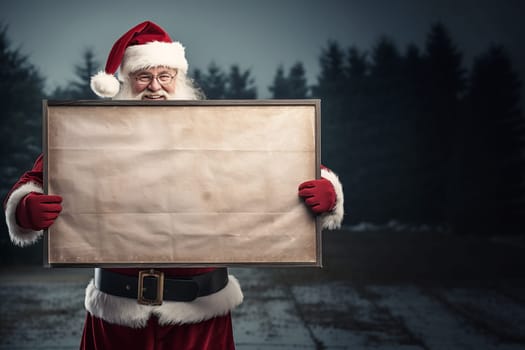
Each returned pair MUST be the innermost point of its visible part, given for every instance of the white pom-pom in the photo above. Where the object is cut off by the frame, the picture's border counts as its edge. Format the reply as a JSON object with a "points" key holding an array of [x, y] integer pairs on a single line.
{"points": [[105, 85]]}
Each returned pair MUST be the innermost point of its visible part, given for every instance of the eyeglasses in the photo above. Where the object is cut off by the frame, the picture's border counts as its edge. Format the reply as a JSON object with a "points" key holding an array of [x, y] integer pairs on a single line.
{"points": [[162, 78]]}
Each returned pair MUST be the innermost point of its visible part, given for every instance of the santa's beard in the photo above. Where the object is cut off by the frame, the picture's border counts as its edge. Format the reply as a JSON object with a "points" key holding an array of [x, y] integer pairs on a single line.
{"points": [[154, 95], [125, 93]]}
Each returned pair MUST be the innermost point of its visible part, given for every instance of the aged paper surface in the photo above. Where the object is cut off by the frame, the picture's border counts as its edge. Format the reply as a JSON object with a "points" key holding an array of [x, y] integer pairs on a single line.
{"points": [[181, 184]]}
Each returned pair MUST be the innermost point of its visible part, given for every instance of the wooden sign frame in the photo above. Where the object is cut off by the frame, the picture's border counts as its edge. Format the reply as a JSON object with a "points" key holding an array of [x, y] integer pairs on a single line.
{"points": [[181, 183]]}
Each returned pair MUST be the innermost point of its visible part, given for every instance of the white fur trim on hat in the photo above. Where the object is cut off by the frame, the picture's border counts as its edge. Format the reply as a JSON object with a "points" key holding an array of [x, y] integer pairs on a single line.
{"points": [[128, 312], [20, 236], [332, 220], [104, 84], [153, 54]]}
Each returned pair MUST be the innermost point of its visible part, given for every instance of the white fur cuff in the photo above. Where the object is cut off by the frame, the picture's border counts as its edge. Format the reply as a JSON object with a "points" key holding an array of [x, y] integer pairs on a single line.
{"points": [[333, 219], [19, 235], [127, 312]]}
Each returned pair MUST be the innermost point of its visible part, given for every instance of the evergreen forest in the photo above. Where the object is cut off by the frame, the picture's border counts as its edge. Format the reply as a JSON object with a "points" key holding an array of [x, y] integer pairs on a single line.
{"points": [[416, 134]]}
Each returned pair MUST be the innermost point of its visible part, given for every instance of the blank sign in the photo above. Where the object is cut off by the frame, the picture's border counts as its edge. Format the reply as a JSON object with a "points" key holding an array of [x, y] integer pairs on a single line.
{"points": [[182, 183]]}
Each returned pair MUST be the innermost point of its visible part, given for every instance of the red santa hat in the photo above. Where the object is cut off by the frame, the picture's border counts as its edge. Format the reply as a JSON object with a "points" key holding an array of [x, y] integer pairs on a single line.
{"points": [[143, 46]]}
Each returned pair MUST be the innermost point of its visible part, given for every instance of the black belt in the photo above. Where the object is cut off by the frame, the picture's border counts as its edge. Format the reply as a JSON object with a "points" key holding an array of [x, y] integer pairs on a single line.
{"points": [[154, 287]]}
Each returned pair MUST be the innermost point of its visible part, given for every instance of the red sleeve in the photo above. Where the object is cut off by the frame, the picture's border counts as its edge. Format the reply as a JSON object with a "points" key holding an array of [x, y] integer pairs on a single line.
{"points": [[35, 175]]}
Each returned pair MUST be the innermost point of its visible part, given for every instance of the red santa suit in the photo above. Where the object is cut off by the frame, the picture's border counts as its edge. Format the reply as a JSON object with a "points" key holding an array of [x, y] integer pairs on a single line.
{"points": [[203, 323], [114, 318]]}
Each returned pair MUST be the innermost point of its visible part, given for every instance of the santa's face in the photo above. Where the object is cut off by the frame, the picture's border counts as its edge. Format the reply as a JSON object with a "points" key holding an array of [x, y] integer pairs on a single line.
{"points": [[153, 84]]}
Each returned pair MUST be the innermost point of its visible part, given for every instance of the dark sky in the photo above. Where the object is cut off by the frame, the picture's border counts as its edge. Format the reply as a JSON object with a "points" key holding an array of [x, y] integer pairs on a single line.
{"points": [[258, 35]]}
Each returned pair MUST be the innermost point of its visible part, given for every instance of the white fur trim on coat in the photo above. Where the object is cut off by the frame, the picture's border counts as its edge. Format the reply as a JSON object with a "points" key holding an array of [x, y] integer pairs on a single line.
{"points": [[127, 312], [332, 220], [20, 236], [154, 54]]}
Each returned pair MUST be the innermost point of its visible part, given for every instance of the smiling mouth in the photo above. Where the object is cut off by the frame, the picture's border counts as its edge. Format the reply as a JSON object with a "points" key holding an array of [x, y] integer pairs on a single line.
{"points": [[153, 97]]}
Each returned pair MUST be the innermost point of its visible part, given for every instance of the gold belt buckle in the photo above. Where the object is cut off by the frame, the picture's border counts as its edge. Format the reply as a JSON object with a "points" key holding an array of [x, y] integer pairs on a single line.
{"points": [[159, 276]]}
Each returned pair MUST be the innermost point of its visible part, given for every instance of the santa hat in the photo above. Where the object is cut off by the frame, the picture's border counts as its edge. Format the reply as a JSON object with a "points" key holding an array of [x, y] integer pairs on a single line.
{"points": [[143, 46]]}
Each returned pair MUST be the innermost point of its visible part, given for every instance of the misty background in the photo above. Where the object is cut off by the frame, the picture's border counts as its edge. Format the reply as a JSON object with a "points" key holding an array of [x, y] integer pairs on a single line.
{"points": [[422, 108]]}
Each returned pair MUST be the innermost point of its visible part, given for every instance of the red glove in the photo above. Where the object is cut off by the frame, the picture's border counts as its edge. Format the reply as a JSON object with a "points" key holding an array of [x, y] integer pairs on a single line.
{"points": [[37, 211], [319, 195]]}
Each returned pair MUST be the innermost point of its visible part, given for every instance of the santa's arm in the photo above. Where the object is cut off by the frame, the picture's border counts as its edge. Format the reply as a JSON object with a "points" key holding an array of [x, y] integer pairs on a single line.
{"points": [[31, 181], [325, 197]]}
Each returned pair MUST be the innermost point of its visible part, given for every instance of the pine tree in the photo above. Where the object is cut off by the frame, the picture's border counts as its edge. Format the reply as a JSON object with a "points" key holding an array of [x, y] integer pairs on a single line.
{"points": [[280, 88], [357, 64], [297, 82], [492, 188], [331, 89], [443, 86], [386, 60], [389, 142], [444, 70], [414, 156], [213, 82], [240, 84], [412, 71], [21, 93], [292, 86], [79, 88], [355, 125], [331, 80], [356, 71]]}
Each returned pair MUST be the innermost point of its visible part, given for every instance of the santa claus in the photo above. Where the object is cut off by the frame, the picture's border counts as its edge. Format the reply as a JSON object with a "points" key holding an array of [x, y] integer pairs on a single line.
{"points": [[194, 310]]}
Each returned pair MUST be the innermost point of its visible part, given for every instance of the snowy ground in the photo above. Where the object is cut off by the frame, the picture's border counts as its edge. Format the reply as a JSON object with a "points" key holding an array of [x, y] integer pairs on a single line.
{"points": [[378, 290]]}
